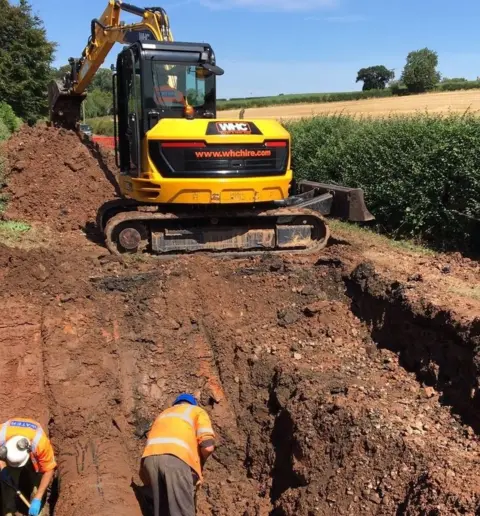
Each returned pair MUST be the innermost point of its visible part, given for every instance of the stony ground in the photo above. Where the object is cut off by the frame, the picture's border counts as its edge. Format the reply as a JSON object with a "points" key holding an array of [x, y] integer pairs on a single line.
{"points": [[343, 383]]}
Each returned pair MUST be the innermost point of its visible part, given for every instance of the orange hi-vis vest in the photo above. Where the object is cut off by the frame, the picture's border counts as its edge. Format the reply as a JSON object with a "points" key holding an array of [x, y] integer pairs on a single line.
{"points": [[42, 455], [167, 95], [179, 431]]}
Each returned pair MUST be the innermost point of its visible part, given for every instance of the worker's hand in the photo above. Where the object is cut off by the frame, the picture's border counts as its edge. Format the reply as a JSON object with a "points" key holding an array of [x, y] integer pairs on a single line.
{"points": [[35, 507]]}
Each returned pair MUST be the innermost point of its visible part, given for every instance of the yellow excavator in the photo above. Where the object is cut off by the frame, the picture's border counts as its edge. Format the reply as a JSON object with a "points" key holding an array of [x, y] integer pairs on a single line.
{"points": [[191, 181]]}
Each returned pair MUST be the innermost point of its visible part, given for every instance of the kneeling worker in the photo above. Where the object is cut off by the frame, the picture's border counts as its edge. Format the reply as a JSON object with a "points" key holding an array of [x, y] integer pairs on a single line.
{"points": [[179, 443], [25, 452]]}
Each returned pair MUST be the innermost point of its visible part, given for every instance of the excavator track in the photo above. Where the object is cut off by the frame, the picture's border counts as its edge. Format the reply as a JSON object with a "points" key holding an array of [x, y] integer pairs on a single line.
{"points": [[130, 228]]}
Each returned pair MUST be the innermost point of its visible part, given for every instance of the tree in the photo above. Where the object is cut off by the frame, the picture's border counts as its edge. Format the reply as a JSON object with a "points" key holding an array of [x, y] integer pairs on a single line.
{"points": [[420, 73], [375, 77], [102, 80], [59, 73], [98, 103], [26, 56]]}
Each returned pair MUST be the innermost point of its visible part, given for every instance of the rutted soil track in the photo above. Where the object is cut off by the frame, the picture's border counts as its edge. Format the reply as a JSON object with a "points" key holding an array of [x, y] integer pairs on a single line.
{"points": [[327, 386]]}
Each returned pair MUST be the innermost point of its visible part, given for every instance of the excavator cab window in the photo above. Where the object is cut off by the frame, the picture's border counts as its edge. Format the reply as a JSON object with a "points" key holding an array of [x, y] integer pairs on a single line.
{"points": [[176, 83]]}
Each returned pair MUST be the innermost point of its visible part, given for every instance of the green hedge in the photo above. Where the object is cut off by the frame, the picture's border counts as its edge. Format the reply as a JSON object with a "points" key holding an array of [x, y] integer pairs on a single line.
{"points": [[102, 126], [460, 85], [5, 133], [306, 98], [421, 174], [9, 122]]}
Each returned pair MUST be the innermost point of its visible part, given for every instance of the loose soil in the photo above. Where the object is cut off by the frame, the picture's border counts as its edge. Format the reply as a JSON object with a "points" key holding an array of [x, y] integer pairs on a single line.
{"points": [[337, 384], [55, 180], [445, 102]]}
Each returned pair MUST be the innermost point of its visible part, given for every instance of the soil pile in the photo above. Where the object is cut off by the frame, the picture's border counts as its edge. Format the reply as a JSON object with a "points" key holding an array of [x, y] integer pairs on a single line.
{"points": [[55, 179]]}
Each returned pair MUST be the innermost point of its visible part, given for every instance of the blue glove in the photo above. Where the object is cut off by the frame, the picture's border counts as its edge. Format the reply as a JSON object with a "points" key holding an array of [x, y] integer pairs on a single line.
{"points": [[35, 507]]}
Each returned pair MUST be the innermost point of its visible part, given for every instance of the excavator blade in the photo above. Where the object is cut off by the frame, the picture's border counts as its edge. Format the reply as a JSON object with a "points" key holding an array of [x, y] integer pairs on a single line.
{"points": [[345, 203], [64, 107]]}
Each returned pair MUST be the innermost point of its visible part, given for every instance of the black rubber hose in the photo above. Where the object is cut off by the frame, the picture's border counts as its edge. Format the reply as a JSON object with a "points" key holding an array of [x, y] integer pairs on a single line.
{"points": [[132, 9]]}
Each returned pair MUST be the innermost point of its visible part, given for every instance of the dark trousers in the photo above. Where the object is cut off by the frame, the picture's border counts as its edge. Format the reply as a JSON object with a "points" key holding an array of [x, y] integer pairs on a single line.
{"points": [[173, 485], [25, 479]]}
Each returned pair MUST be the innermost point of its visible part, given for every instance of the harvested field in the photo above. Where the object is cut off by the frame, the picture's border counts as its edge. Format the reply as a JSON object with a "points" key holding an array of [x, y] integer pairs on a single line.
{"points": [[455, 102], [343, 383]]}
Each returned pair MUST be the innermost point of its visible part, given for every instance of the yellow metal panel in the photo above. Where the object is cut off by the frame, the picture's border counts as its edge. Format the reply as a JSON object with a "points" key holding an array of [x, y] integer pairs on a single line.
{"points": [[196, 129], [153, 187]]}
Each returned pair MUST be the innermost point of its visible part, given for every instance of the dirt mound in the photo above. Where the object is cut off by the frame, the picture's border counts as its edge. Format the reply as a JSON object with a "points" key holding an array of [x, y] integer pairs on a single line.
{"points": [[54, 179]]}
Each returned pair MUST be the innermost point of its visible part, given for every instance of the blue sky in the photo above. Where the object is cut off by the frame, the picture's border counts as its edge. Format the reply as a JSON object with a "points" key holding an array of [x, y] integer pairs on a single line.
{"points": [[269, 47]]}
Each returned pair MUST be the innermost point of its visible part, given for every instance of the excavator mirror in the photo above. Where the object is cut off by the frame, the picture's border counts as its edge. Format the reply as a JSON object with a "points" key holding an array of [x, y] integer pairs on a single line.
{"points": [[213, 69]]}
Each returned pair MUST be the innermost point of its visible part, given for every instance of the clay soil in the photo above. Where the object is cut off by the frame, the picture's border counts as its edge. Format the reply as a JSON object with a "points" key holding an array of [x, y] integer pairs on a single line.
{"points": [[445, 102], [340, 384]]}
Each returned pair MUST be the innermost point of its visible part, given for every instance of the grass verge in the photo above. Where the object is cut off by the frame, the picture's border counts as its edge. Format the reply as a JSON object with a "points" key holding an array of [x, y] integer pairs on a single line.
{"points": [[12, 230], [354, 231]]}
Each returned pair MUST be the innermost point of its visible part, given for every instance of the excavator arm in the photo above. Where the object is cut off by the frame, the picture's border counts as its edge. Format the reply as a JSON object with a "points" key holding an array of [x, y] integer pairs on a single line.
{"points": [[67, 95]]}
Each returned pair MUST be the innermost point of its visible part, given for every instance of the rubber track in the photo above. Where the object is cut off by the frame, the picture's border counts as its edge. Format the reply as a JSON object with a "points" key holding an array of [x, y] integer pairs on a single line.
{"points": [[279, 212]]}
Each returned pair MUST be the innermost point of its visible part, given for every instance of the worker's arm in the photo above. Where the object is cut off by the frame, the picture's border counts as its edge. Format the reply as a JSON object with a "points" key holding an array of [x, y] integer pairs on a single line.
{"points": [[206, 449], [2, 465], [44, 483], [47, 465], [205, 436]]}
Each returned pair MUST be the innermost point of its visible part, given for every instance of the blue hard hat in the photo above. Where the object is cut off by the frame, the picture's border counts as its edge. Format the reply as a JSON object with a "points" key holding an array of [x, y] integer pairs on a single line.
{"points": [[189, 398]]}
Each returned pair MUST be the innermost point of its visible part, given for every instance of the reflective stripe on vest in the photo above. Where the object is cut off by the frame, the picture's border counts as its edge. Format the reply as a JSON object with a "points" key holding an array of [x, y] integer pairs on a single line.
{"points": [[36, 439], [204, 430], [172, 440], [3, 433], [168, 440], [185, 417]]}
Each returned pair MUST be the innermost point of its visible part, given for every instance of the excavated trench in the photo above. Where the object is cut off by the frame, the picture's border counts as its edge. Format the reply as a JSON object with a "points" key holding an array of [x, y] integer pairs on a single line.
{"points": [[330, 390], [330, 394]]}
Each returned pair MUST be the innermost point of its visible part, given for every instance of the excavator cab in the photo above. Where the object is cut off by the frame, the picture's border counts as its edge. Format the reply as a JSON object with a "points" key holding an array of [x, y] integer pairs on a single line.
{"points": [[154, 81]]}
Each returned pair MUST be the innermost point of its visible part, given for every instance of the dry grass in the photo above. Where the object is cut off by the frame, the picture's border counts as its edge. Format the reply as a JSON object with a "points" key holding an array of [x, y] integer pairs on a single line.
{"points": [[350, 231], [455, 101]]}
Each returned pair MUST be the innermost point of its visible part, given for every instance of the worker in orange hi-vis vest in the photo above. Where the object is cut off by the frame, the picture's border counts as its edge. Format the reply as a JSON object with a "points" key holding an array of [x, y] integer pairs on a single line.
{"points": [[179, 443], [25, 451], [164, 94]]}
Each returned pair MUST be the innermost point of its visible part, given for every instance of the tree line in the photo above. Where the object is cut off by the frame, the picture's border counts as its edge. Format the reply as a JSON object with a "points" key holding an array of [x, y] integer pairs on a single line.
{"points": [[26, 66], [419, 75]]}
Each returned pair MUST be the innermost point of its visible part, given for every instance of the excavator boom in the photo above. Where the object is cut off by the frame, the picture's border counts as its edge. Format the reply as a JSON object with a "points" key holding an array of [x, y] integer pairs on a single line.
{"points": [[66, 96]]}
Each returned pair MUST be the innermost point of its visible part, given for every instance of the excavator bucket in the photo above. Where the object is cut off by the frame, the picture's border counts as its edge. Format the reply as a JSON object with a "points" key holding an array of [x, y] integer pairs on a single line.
{"points": [[64, 107]]}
